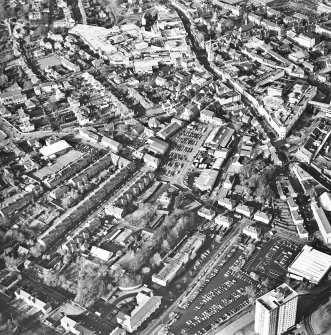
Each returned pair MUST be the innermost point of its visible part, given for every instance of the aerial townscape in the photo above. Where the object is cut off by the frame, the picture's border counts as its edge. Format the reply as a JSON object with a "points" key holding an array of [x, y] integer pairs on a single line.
{"points": [[165, 167]]}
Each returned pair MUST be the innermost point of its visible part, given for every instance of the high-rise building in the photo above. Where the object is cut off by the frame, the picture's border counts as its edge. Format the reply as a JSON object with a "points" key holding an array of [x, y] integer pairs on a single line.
{"points": [[276, 311]]}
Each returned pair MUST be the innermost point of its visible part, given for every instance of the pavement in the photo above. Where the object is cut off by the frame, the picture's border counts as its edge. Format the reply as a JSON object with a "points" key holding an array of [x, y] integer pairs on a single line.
{"points": [[154, 326], [237, 325], [178, 179]]}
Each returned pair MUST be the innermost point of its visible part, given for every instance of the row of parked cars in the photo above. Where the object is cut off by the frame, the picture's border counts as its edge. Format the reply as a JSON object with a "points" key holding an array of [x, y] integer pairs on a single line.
{"points": [[200, 259], [174, 155], [182, 148], [215, 293], [213, 309], [198, 290], [189, 141]]}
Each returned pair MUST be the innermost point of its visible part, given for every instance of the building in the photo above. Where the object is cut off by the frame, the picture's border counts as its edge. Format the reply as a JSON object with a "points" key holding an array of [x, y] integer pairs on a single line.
{"points": [[118, 331], [207, 116], [229, 181], [307, 40], [147, 305], [310, 264], [325, 200], [158, 146], [96, 38], [117, 212], [292, 204], [111, 144], [302, 232], [262, 217], [38, 303], [275, 311], [206, 213], [228, 203], [12, 97], [55, 149], [223, 221], [173, 265], [296, 217], [75, 327], [322, 221], [168, 272], [151, 161], [283, 120], [169, 130], [252, 232], [102, 254], [206, 180], [244, 210]]}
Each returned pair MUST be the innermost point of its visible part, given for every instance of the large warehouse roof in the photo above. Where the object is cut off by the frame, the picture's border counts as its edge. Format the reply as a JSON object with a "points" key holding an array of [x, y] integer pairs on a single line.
{"points": [[311, 264]]}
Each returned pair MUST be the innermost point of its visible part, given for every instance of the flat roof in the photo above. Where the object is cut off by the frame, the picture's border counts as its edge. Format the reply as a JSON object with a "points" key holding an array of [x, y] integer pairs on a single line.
{"points": [[311, 264], [277, 297]]}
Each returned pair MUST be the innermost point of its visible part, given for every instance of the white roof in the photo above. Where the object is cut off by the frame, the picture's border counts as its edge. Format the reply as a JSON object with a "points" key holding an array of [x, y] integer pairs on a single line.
{"points": [[207, 179], [96, 37], [325, 199], [279, 296], [101, 253], [54, 148], [311, 264]]}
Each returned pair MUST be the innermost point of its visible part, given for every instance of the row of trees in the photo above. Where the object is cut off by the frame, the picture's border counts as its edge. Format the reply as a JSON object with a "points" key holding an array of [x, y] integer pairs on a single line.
{"points": [[142, 215], [151, 251], [258, 180], [88, 281]]}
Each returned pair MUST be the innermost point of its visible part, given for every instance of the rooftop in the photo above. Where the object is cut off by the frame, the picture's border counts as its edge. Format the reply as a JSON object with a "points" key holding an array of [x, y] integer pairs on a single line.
{"points": [[277, 297], [311, 264], [54, 148]]}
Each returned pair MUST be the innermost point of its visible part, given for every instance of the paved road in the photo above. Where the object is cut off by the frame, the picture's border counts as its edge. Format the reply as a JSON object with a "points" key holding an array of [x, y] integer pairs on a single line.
{"points": [[178, 179], [153, 327], [312, 303]]}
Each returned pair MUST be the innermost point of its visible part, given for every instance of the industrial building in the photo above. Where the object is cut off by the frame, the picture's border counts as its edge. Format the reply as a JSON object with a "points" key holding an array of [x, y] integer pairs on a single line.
{"points": [[310, 264]]}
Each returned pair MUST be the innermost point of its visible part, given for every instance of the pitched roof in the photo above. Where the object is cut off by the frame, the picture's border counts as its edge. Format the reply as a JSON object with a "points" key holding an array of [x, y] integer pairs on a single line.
{"points": [[145, 309]]}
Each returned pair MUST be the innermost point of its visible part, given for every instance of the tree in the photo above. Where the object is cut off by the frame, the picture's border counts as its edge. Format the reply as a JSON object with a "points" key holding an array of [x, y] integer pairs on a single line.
{"points": [[145, 270], [178, 200], [249, 250], [11, 262], [67, 258], [127, 280], [251, 293], [36, 250], [50, 278], [156, 259], [269, 284], [165, 247]]}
